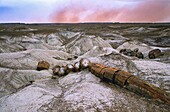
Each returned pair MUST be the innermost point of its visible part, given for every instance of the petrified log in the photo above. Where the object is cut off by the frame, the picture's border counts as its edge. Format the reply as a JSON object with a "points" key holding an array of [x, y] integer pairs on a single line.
{"points": [[155, 53], [84, 63], [56, 70], [59, 71], [69, 68], [43, 65], [148, 90], [129, 81], [76, 67], [103, 72], [62, 71]]}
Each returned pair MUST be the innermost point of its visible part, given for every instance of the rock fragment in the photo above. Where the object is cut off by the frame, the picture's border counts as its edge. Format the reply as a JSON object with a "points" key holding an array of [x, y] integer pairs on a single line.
{"points": [[76, 67], [62, 71], [43, 65], [59, 71], [122, 50], [55, 71], [154, 53], [69, 68], [84, 63], [127, 52], [134, 52], [139, 55]]}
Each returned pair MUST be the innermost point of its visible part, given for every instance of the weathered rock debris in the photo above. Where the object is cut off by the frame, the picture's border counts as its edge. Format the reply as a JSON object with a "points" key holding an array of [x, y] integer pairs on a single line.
{"points": [[155, 53], [134, 52], [43, 65]]}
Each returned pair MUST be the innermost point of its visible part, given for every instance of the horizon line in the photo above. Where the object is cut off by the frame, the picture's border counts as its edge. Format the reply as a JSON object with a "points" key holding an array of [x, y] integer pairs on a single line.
{"points": [[86, 23]]}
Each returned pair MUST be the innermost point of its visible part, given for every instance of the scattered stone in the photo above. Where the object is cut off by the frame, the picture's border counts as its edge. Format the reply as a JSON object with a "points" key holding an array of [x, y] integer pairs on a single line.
{"points": [[76, 67], [84, 63], [62, 71], [53, 77], [127, 52], [134, 52], [43, 65], [122, 50], [56, 70], [154, 53], [69, 68], [139, 55]]}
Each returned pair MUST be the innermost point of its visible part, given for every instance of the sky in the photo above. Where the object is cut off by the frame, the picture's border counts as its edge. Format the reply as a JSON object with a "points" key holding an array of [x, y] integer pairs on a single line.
{"points": [[75, 11]]}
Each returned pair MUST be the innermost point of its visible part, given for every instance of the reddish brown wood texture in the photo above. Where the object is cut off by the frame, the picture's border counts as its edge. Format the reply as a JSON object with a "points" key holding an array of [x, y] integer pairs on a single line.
{"points": [[129, 81]]}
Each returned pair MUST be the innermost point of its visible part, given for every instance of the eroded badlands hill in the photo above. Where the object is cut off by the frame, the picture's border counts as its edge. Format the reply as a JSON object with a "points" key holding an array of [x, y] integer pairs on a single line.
{"points": [[24, 89]]}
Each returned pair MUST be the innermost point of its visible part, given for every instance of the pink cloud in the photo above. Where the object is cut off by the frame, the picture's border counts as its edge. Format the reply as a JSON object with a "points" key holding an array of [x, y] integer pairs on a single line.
{"points": [[147, 11]]}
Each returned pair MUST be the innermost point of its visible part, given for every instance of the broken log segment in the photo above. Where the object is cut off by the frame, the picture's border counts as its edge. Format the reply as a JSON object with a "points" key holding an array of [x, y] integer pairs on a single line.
{"points": [[121, 77], [148, 90], [129, 81], [102, 72], [43, 65]]}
